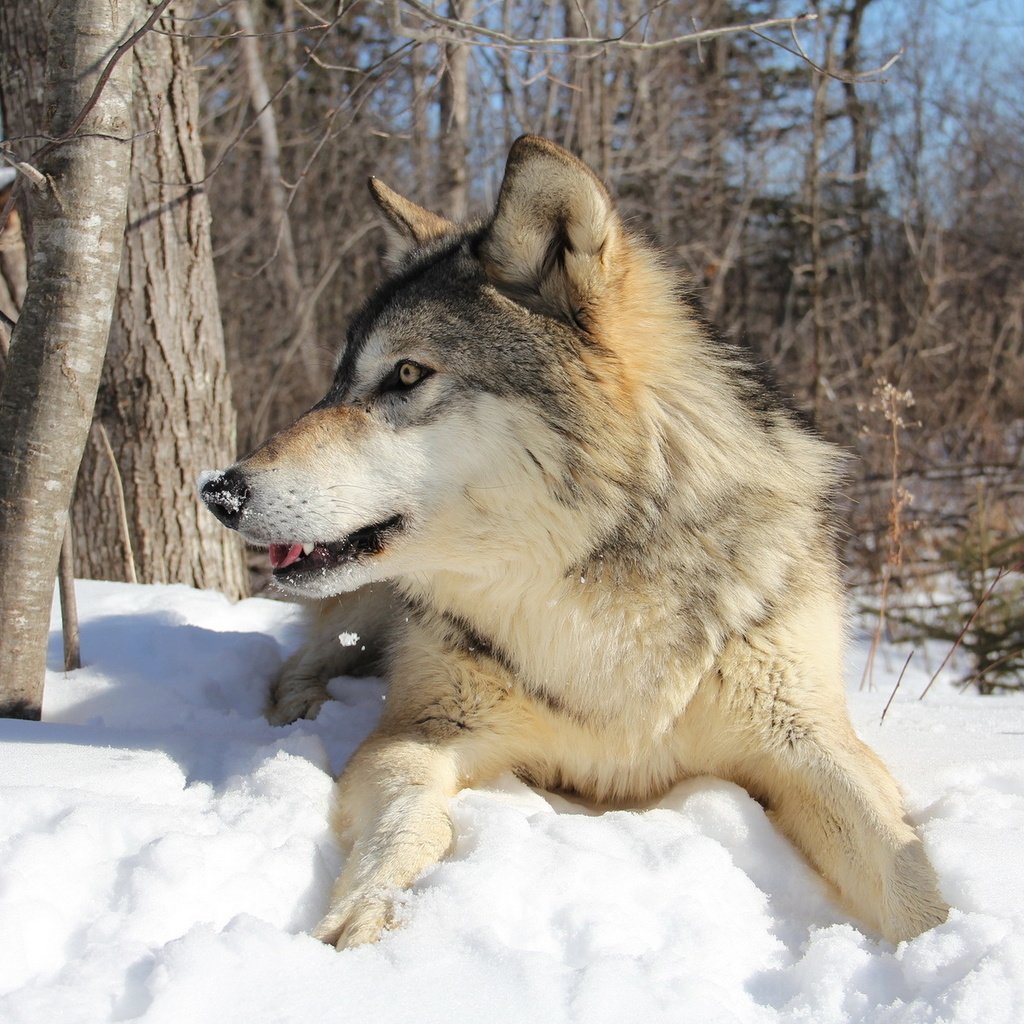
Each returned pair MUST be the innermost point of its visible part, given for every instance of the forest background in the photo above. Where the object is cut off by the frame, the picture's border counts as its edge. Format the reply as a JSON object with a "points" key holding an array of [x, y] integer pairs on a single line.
{"points": [[845, 191]]}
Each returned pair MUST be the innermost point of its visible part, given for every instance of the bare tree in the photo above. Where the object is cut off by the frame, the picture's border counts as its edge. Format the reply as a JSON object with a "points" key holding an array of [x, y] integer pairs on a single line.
{"points": [[818, 201], [454, 135], [164, 410], [77, 209], [815, 217], [277, 195]]}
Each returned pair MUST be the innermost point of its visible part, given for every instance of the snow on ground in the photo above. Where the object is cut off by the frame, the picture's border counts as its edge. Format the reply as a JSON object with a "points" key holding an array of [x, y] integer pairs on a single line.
{"points": [[163, 850]]}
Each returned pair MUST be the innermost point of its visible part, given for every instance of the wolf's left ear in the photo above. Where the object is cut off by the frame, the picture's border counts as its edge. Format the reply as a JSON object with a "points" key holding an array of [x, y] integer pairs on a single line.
{"points": [[408, 226], [555, 234]]}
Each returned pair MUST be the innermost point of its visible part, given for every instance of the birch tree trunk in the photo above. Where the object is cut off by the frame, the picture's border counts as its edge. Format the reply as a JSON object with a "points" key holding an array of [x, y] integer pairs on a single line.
{"points": [[164, 402], [57, 348]]}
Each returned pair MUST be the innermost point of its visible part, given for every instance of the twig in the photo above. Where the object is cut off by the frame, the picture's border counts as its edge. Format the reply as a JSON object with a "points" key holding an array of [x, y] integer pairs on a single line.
{"points": [[991, 665], [222, 156], [122, 507], [464, 28], [840, 76], [68, 603], [369, 69], [896, 687], [304, 319], [32, 173], [1005, 571]]}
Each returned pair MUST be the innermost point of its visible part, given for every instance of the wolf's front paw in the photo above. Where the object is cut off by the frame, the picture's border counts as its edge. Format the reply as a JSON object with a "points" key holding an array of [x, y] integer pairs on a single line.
{"points": [[356, 921], [291, 699], [912, 901]]}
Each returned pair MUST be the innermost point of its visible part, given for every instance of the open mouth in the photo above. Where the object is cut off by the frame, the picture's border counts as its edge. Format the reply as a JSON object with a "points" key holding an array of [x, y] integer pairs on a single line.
{"points": [[291, 562]]}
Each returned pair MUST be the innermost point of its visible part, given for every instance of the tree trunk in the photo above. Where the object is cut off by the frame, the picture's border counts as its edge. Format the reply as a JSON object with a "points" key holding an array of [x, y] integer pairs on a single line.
{"points": [[816, 217], [56, 354], [284, 258], [454, 111], [860, 136], [165, 398]]}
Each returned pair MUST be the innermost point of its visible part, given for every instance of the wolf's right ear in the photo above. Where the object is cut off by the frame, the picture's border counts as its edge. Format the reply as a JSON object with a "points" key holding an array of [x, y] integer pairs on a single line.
{"points": [[556, 234], [407, 225]]}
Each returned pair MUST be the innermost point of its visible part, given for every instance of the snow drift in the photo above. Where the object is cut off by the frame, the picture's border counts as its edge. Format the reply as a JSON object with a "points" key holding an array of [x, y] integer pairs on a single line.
{"points": [[163, 850]]}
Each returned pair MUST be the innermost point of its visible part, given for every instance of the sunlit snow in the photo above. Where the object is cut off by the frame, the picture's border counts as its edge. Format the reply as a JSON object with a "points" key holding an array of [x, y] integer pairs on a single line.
{"points": [[163, 852]]}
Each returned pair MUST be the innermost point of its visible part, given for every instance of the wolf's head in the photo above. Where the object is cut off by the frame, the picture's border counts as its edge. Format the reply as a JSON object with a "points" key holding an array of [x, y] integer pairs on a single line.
{"points": [[492, 400]]}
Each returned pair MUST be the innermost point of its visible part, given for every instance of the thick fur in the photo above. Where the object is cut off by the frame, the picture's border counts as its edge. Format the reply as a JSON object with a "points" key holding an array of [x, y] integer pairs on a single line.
{"points": [[608, 550]]}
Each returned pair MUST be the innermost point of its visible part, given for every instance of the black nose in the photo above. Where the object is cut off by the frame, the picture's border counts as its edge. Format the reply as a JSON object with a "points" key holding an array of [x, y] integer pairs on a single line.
{"points": [[225, 495]]}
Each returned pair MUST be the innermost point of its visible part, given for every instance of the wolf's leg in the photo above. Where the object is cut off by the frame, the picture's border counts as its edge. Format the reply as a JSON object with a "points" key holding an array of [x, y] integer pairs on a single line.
{"points": [[838, 803], [364, 619], [450, 721], [393, 807], [835, 799]]}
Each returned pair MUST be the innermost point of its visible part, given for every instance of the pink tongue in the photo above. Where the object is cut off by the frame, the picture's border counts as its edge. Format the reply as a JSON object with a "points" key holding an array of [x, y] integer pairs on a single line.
{"points": [[282, 555]]}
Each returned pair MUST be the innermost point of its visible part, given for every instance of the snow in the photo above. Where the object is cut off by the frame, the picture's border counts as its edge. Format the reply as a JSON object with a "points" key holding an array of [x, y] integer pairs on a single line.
{"points": [[207, 476], [163, 851], [227, 499]]}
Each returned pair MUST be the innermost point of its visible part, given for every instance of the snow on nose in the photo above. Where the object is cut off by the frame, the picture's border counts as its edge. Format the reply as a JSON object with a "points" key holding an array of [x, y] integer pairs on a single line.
{"points": [[225, 494]]}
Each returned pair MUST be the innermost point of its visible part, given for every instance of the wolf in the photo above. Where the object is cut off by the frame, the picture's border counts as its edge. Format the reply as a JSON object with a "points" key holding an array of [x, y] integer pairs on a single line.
{"points": [[584, 541]]}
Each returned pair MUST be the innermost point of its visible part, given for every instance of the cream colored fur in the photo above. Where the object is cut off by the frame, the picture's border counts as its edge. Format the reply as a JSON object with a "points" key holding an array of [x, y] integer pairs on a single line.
{"points": [[719, 655]]}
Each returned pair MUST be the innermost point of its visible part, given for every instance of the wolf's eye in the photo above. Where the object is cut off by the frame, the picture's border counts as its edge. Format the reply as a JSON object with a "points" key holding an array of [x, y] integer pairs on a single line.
{"points": [[405, 375], [409, 374]]}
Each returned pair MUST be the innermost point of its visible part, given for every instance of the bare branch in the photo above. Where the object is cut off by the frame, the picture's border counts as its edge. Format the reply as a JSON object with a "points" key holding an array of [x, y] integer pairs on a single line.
{"points": [[849, 78], [105, 74], [1000, 575], [255, 119], [895, 688], [69, 604], [122, 505], [461, 29], [22, 167]]}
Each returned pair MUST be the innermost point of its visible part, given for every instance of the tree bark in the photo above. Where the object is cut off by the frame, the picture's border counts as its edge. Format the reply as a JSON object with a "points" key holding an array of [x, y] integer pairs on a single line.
{"points": [[816, 217], [69, 604], [860, 135], [57, 348], [165, 397], [454, 114], [285, 259]]}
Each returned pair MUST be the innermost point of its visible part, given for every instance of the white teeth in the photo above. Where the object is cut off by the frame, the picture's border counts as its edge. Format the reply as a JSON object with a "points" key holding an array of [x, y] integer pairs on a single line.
{"points": [[307, 549]]}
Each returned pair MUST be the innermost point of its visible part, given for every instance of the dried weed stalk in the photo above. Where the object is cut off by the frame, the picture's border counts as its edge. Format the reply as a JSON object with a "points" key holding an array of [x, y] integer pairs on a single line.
{"points": [[889, 402]]}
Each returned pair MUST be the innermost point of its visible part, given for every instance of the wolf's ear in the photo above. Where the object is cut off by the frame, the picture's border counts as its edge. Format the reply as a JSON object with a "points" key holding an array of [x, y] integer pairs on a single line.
{"points": [[555, 234], [408, 226]]}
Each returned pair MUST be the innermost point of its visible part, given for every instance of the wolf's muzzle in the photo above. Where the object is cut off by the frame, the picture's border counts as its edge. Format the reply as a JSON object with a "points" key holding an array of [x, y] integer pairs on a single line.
{"points": [[225, 495]]}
